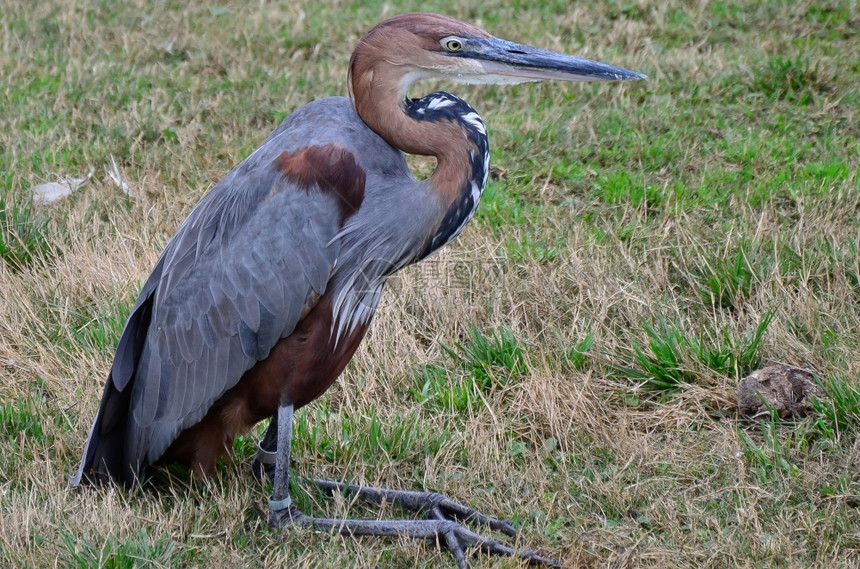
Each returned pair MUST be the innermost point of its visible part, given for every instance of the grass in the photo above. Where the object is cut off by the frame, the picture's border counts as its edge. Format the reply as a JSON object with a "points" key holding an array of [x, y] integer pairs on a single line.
{"points": [[22, 233], [139, 551], [570, 362], [480, 367], [673, 358]]}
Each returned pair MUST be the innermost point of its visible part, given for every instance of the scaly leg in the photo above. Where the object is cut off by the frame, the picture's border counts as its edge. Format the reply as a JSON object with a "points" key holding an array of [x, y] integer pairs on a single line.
{"points": [[443, 513], [280, 502]]}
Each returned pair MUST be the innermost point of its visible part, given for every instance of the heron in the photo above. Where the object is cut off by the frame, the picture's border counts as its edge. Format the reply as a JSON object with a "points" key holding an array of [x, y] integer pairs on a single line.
{"points": [[266, 290]]}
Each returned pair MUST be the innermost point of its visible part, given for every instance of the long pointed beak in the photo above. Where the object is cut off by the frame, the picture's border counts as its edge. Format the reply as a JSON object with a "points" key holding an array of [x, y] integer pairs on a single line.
{"points": [[508, 62]]}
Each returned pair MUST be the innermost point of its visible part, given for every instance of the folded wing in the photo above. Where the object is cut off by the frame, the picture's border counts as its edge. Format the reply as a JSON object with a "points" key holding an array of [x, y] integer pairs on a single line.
{"points": [[240, 273]]}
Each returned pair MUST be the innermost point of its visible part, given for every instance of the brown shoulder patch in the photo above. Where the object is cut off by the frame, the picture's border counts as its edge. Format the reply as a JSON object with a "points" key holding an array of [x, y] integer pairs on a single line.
{"points": [[332, 169]]}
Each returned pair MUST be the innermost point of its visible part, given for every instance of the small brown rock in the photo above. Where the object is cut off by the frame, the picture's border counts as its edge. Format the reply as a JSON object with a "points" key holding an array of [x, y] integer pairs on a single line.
{"points": [[786, 389]]}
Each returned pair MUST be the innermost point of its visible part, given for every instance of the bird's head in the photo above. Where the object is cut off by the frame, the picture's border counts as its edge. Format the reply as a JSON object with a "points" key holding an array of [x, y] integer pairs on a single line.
{"points": [[410, 47]]}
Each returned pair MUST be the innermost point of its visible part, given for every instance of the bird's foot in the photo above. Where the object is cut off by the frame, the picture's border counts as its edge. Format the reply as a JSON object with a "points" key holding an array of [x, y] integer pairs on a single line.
{"points": [[432, 504], [287, 517], [443, 523]]}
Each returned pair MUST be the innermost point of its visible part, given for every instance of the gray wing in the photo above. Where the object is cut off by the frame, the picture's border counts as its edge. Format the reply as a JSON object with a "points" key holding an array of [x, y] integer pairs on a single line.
{"points": [[233, 280]]}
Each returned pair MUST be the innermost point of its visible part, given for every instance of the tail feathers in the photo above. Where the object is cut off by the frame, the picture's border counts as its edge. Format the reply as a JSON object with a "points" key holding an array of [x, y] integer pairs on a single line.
{"points": [[106, 452]]}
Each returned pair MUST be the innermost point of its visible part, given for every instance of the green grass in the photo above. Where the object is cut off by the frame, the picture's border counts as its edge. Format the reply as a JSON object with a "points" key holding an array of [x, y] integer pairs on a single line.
{"points": [[770, 462], [482, 366], [673, 357], [839, 413], [23, 229], [139, 551], [726, 281], [20, 422], [571, 362]]}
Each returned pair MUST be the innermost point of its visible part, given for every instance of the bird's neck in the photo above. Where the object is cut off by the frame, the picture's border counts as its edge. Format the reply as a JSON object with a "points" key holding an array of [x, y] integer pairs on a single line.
{"points": [[439, 125]]}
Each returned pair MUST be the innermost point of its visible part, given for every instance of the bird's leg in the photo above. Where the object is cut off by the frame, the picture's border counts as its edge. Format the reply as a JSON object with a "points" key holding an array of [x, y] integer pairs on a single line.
{"points": [[281, 510], [267, 452]]}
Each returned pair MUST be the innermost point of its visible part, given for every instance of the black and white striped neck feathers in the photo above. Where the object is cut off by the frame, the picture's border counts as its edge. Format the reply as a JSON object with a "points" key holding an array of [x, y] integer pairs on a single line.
{"points": [[442, 106]]}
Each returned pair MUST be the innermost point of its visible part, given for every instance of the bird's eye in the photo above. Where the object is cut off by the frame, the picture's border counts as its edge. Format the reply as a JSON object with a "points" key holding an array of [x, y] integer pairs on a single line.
{"points": [[452, 44]]}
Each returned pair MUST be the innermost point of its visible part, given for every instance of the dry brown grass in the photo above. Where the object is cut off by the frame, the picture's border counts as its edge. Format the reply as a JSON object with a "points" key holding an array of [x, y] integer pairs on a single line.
{"points": [[599, 470]]}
